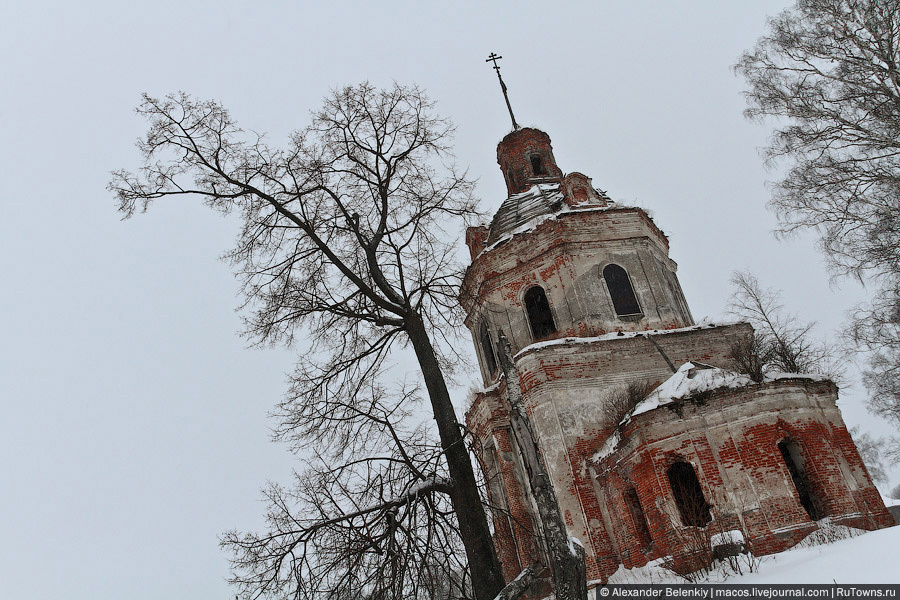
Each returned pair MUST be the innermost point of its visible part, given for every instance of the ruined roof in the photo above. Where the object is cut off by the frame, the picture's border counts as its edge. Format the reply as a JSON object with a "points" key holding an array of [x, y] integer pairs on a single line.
{"points": [[695, 378], [523, 211], [517, 210], [691, 379]]}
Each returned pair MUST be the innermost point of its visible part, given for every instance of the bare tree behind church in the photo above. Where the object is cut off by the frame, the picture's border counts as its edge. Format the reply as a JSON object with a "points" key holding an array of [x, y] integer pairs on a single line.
{"points": [[829, 72], [342, 244]]}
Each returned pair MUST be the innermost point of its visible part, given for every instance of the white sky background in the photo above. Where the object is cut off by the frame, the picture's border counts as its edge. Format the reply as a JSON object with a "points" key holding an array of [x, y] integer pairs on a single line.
{"points": [[134, 428]]}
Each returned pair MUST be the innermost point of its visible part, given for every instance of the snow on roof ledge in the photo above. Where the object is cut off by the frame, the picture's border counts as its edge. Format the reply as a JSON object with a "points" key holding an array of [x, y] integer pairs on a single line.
{"points": [[617, 335], [695, 378], [691, 379]]}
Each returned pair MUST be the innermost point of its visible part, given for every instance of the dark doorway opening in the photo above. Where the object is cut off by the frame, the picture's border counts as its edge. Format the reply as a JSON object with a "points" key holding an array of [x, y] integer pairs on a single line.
{"points": [[689, 498], [793, 459], [641, 530]]}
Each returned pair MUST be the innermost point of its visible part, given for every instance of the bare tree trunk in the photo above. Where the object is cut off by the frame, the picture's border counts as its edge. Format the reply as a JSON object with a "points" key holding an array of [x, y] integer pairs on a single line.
{"points": [[487, 578], [520, 584], [566, 558]]}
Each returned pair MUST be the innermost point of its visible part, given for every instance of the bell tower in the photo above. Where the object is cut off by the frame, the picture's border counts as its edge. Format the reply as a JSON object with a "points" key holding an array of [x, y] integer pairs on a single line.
{"points": [[560, 259], [585, 292]]}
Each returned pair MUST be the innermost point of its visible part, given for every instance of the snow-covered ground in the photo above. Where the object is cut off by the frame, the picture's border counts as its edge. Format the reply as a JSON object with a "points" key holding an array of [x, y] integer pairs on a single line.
{"points": [[861, 557]]}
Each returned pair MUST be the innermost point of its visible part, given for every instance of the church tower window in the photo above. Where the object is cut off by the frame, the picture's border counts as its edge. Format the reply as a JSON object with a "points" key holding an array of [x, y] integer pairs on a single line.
{"points": [[689, 498], [487, 348], [539, 315], [620, 290], [537, 166]]}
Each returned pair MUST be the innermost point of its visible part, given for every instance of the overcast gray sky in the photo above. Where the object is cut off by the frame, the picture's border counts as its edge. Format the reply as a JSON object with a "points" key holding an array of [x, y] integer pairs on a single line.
{"points": [[134, 427]]}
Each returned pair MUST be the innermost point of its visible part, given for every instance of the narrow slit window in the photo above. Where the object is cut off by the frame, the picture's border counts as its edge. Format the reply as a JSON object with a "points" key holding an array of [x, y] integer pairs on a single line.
{"points": [[793, 459], [487, 348], [511, 178], [641, 529], [539, 315], [692, 505], [620, 290], [537, 165]]}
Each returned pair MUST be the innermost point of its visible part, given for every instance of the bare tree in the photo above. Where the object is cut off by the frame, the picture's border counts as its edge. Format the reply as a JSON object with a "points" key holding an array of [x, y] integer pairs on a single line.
{"points": [[781, 341], [368, 517], [829, 71], [895, 492], [621, 400], [871, 450], [341, 244], [876, 328]]}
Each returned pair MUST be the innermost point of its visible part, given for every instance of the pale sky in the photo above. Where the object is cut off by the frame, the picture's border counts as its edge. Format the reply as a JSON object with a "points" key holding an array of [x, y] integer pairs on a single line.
{"points": [[134, 426]]}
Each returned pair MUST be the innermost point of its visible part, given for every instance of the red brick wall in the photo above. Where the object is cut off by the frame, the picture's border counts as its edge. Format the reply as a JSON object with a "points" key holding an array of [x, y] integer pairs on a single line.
{"points": [[514, 154]]}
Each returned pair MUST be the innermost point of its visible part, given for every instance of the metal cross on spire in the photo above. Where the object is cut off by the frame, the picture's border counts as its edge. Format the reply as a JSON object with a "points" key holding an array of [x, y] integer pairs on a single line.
{"points": [[494, 58]]}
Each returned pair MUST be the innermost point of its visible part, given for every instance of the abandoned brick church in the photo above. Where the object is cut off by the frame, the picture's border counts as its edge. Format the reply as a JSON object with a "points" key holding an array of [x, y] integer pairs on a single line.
{"points": [[585, 291]]}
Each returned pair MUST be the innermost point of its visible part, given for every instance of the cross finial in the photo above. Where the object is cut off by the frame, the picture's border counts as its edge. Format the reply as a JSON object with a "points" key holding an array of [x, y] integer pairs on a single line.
{"points": [[494, 58]]}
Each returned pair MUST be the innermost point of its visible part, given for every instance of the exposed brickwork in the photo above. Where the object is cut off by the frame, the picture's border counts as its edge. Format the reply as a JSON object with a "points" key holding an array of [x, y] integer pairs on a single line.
{"points": [[616, 496], [516, 155]]}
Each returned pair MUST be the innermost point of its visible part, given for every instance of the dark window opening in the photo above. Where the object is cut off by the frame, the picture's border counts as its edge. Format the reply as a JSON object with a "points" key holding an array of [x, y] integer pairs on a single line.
{"points": [[490, 361], [793, 458], [537, 165], [638, 518], [620, 290], [689, 498], [539, 315]]}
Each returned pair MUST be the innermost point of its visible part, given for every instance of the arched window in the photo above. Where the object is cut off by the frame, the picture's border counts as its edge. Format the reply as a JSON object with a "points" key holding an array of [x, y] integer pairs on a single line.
{"points": [[539, 315], [637, 517], [689, 498], [793, 459], [620, 290], [487, 348], [537, 165]]}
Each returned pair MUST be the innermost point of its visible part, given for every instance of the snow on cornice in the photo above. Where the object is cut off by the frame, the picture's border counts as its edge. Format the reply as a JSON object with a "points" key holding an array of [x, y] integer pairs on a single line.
{"points": [[616, 335]]}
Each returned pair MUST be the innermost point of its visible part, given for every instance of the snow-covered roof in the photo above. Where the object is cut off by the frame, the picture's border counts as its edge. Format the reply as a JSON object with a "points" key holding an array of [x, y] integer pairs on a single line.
{"points": [[691, 379], [695, 378]]}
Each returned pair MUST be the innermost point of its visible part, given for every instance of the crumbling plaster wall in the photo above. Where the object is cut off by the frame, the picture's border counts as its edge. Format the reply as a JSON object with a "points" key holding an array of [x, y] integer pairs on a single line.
{"points": [[731, 440]]}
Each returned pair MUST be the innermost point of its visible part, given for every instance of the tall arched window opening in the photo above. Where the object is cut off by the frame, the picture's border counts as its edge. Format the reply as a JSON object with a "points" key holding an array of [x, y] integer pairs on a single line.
{"points": [[642, 531], [487, 348], [689, 498], [539, 315], [537, 165], [620, 290], [793, 459]]}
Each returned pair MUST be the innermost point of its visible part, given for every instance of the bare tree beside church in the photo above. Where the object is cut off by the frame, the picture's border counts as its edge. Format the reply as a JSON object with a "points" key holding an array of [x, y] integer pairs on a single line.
{"points": [[781, 341], [341, 244], [828, 71]]}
